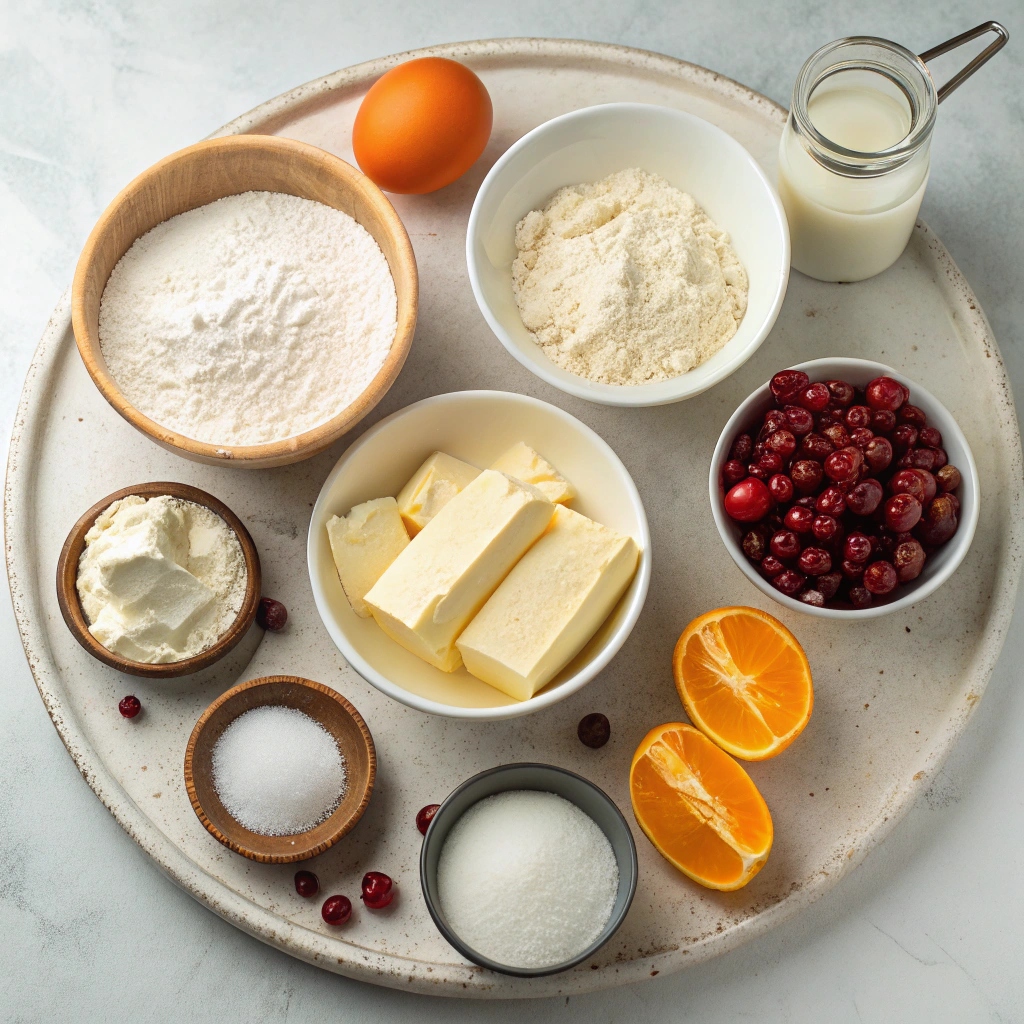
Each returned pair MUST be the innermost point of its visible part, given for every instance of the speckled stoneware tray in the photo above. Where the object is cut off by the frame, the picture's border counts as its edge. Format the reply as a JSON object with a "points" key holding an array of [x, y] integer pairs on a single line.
{"points": [[892, 694]]}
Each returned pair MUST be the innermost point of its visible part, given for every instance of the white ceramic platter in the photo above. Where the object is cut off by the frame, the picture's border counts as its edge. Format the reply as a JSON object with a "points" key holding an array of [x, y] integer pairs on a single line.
{"points": [[892, 694]]}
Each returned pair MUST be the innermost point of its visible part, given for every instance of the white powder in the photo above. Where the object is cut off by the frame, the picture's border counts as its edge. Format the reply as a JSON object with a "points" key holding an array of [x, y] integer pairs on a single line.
{"points": [[160, 579], [527, 879], [627, 280], [277, 771], [249, 320]]}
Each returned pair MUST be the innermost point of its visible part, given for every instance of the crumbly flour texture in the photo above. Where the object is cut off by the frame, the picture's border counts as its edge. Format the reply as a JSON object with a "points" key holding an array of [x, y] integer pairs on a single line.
{"points": [[627, 280], [251, 319]]}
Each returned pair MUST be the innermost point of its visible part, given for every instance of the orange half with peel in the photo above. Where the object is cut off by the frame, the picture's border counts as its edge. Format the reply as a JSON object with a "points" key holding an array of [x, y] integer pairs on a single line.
{"points": [[699, 808], [744, 680]]}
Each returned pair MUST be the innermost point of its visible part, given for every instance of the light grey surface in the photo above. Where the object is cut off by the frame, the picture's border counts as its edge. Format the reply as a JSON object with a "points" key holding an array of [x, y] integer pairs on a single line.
{"points": [[927, 929]]}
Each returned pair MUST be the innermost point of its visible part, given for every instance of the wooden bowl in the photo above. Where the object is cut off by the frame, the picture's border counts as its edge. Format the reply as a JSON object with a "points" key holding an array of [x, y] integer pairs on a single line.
{"points": [[71, 606], [199, 175], [321, 703]]}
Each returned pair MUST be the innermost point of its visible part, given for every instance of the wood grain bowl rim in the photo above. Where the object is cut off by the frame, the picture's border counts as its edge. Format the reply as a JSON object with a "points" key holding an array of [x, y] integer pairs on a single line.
{"points": [[309, 442], [71, 605], [301, 853]]}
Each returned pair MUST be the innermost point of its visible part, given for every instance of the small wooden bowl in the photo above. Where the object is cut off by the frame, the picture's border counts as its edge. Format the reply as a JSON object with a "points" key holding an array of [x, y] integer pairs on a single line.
{"points": [[71, 606], [199, 175], [321, 703]]}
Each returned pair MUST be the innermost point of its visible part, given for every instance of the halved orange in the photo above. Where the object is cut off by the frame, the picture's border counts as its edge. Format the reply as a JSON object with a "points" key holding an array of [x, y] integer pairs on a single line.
{"points": [[701, 810], [744, 680]]}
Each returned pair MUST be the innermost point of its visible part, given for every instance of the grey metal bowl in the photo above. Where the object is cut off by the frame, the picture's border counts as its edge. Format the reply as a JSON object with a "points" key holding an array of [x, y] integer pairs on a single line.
{"points": [[547, 779]]}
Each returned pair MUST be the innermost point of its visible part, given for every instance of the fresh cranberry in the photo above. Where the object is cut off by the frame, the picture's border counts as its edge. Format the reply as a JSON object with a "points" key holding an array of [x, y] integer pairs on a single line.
{"points": [[907, 481], [336, 909], [799, 420], [860, 597], [781, 487], [129, 706], [831, 502], [938, 523], [816, 447], [878, 454], [824, 527], [883, 421], [865, 497], [904, 437], [922, 458], [857, 547], [844, 465], [814, 397], [789, 582], [425, 815], [756, 470], [799, 519], [378, 890], [852, 570], [755, 547], [813, 597], [782, 442], [271, 614], [837, 434], [908, 558], [785, 544], [929, 483], [742, 448], [941, 458], [748, 501], [814, 561], [841, 392], [884, 393], [593, 731], [785, 384], [829, 584], [771, 567], [948, 478], [733, 472], [858, 416], [774, 419], [306, 883], [913, 415], [806, 475], [929, 437], [771, 462], [902, 513], [880, 577], [861, 437]]}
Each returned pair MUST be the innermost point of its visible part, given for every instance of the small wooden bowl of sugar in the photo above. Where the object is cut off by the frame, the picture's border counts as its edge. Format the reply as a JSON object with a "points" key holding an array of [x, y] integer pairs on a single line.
{"points": [[253, 336], [278, 750]]}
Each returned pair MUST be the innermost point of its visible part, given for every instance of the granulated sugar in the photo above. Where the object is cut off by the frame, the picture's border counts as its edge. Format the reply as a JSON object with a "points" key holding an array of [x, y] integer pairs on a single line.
{"points": [[527, 879], [277, 771], [249, 320]]}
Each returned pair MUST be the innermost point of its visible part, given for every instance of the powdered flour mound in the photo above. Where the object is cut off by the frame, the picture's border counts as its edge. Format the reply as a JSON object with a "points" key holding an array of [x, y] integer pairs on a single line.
{"points": [[627, 280], [251, 319]]}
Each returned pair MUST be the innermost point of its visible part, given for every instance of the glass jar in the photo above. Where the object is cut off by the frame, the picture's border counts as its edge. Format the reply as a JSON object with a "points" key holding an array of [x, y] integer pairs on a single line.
{"points": [[854, 157]]}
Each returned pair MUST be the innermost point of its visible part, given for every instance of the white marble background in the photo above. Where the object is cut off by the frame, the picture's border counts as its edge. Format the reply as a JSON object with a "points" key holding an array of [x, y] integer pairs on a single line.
{"points": [[92, 91]]}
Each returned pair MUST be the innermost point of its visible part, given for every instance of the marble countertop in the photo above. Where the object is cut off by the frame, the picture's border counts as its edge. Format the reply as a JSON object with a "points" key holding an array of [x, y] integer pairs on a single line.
{"points": [[926, 930]]}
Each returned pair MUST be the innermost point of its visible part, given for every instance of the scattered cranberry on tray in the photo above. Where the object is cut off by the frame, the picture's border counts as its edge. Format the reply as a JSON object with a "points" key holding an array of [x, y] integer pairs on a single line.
{"points": [[271, 614], [424, 816], [129, 706], [336, 909], [306, 883], [378, 890], [842, 492]]}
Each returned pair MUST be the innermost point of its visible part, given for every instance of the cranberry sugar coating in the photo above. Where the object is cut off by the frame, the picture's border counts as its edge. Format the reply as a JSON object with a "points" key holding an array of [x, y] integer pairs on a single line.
{"points": [[845, 492]]}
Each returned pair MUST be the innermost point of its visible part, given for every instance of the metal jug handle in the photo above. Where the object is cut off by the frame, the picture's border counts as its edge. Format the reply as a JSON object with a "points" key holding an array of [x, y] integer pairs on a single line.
{"points": [[965, 37]]}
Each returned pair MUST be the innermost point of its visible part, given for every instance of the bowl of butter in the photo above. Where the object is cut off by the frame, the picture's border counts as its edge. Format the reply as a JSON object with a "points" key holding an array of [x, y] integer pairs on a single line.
{"points": [[479, 555]]}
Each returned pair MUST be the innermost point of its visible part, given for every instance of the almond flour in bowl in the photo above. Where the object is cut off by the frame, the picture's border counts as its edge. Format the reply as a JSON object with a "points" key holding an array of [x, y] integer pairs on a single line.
{"points": [[627, 280], [249, 320]]}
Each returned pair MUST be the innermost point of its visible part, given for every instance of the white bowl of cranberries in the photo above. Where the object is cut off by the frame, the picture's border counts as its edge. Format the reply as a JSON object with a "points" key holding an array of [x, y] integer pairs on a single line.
{"points": [[845, 490]]}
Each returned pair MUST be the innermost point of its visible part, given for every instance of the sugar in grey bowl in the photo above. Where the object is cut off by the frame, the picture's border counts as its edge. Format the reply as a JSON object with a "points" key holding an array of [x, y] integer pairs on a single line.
{"points": [[544, 778]]}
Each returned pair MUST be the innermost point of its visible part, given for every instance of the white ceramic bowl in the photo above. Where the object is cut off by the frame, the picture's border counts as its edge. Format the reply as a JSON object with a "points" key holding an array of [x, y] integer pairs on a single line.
{"points": [[476, 426], [939, 566], [589, 144]]}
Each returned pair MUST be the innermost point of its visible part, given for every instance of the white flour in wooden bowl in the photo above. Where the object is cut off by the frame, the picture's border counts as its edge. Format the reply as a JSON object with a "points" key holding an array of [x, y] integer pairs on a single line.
{"points": [[249, 320], [627, 280]]}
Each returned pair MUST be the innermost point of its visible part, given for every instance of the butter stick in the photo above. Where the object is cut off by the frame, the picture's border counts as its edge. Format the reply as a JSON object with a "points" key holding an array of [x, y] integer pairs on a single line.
{"points": [[441, 580], [549, 605], [431, 487]]}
